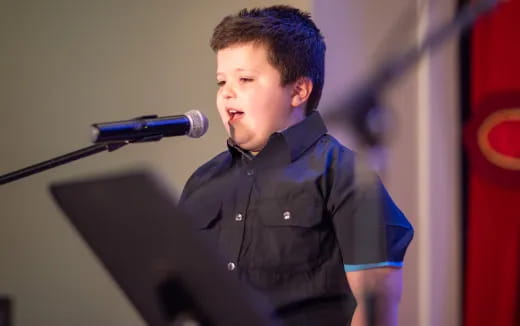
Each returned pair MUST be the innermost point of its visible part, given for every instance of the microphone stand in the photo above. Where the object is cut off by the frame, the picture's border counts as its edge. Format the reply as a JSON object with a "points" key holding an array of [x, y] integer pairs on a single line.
{"points": [[60, 160], [362, 110], [76, 155]]}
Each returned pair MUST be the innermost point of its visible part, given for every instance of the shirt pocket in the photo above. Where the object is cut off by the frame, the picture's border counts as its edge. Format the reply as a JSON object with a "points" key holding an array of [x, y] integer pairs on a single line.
{"points": [[289, 236]]}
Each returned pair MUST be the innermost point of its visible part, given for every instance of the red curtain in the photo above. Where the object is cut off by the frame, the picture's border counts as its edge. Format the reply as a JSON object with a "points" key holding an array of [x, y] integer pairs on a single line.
{"points": [[492, 137]]}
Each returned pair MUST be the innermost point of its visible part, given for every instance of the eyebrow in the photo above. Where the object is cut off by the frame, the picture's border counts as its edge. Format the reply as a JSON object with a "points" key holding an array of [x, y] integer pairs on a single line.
{"points": [[239, 70]]}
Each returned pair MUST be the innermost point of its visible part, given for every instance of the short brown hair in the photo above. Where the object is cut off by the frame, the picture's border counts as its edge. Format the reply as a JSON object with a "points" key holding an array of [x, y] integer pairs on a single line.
{"points": [[295, 45]]}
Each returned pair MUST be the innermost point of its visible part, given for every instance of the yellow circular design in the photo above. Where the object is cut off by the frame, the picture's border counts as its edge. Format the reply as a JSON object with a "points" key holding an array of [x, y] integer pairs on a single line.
{"points": [[495, 157]]}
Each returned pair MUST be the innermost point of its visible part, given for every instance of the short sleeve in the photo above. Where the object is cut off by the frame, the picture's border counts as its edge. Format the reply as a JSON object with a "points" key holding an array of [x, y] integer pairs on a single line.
{"points": [[371, 230]]}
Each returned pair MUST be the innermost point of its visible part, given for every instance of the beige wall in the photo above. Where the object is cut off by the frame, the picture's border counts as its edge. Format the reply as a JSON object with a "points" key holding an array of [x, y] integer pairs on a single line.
{"points": [[63, 65]]}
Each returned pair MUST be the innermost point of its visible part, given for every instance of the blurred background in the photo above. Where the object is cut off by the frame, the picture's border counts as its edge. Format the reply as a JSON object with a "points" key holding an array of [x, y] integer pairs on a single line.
{"points": [[65, 64]]}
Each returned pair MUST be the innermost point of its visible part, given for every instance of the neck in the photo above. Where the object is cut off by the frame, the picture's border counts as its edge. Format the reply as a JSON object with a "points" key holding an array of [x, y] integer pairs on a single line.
{"points": [[297, 115]]}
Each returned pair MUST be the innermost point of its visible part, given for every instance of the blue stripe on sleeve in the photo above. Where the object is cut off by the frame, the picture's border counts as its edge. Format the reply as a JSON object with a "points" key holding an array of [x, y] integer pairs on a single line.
{"points": [[353, 268]]}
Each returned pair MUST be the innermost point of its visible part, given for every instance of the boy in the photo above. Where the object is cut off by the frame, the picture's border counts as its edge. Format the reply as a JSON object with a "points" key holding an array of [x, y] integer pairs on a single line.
{"points": [[281, 204]]}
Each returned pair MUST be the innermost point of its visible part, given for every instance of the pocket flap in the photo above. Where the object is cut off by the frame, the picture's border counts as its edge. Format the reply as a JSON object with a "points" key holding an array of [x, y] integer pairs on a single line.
{"points": [[203, 213]]}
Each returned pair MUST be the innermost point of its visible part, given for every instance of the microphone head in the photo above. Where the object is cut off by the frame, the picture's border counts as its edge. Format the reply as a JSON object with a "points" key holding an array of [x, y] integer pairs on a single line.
{"points": [[198, 123]]}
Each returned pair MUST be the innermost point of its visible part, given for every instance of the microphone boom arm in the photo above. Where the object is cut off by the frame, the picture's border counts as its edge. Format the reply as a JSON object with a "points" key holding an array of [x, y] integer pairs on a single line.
{"points": [[60, 160], [363, 103]]}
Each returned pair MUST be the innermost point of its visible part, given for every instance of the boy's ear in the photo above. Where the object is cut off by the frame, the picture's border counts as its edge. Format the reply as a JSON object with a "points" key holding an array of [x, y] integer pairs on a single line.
{"points": [[301, 91]]}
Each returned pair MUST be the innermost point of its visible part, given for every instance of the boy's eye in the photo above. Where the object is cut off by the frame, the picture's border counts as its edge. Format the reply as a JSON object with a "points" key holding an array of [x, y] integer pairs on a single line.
{"points": [[221, 83], [246, 79]]}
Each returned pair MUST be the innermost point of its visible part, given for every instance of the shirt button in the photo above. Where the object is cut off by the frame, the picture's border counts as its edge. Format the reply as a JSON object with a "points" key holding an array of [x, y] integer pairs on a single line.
{"points": [[238, 217], [286, 215], [231, 266], [250, 172]]}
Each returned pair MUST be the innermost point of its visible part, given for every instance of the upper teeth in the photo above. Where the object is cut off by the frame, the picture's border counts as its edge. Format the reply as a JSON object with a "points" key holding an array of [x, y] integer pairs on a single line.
{"points": [[232, 111]]}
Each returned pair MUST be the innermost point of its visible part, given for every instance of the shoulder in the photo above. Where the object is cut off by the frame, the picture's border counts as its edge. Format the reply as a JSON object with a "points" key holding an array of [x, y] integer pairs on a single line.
{"points": [[329, 145], [338, 158], [334, 163], [213, 166], [207, 172]]}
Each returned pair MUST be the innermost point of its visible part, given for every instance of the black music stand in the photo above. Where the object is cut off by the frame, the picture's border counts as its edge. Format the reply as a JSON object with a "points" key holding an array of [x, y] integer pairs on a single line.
{"points": [[170, 275], [5, 311]]}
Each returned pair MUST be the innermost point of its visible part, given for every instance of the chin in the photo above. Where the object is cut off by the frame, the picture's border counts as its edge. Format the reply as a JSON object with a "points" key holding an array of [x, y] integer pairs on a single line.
{"points": [[252, 147], [242, 144], [247, 140], [245, 144]]}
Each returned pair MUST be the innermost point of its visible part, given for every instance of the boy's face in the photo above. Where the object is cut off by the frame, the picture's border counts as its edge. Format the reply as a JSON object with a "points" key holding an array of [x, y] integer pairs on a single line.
{"points": [[250, 100]]}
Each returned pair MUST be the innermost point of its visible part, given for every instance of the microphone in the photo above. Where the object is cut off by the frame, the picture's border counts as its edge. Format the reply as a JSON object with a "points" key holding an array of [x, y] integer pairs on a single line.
{"points": [[151, 128]]}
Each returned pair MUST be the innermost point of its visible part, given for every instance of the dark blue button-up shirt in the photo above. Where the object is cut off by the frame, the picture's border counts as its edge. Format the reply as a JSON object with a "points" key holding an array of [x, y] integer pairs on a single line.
{"points": [[291, 220]]}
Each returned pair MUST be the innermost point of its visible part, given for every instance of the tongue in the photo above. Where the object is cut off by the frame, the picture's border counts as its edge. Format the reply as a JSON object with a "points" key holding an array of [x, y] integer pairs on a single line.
{"points": [[236, 115]]}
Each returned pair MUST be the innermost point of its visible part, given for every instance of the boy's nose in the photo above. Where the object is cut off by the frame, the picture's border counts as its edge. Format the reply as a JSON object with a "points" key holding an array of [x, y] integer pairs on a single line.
{"points": [[228, 91]]}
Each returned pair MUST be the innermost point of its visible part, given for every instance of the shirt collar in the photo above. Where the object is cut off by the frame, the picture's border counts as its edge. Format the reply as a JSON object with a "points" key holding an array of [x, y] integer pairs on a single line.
{"points": [[294, 140], [237, 151], [304, 134]]}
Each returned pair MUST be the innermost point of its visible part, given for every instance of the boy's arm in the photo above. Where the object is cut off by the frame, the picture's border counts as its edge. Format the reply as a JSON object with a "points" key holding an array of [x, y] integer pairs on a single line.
{"points": [[377, 292]]}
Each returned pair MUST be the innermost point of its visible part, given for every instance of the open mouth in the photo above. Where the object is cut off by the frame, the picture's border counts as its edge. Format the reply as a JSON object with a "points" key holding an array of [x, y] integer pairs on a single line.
{"points": [[234, 114]]}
